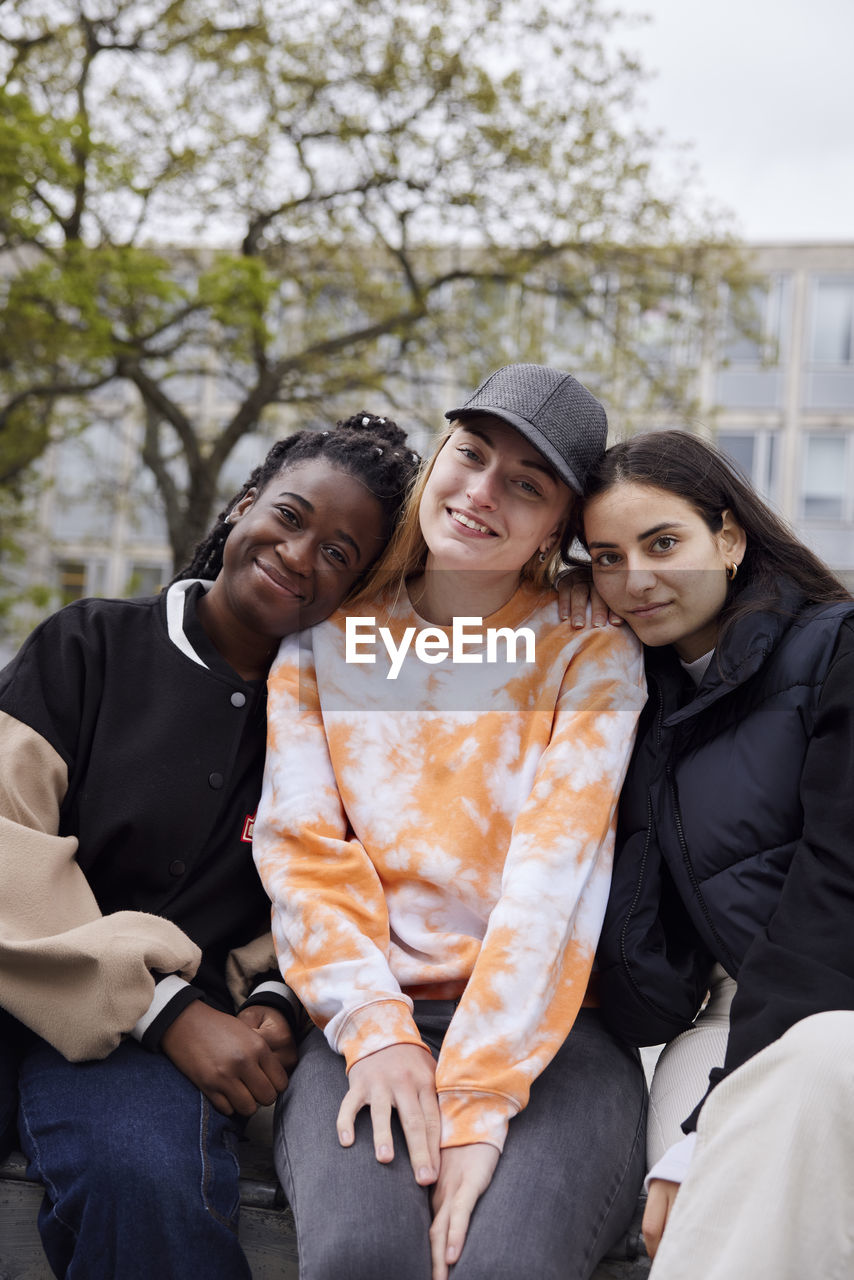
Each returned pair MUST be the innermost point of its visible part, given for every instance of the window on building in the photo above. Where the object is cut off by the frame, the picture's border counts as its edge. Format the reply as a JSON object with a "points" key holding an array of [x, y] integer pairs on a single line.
{"points": [[144, 505], [493, 309], [741, 449], [832, 334], [567, 334], [97, 571], [825, 476], [88, 473], [755, 454], [755, 341], [658, 336], [755, 328], [71, 575], [145, 579]]}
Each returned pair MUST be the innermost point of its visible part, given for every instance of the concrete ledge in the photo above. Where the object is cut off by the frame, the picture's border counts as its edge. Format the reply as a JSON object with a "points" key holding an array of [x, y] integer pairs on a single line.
{"points": [[266, 1226]]}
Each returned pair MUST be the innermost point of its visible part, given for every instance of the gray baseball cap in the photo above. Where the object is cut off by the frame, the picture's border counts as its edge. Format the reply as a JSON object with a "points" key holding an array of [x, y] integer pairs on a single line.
{"points": [[551, 409]]}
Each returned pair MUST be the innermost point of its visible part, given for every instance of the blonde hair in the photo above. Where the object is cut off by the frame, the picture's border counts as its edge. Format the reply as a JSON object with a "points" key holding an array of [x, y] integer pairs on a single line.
{"points": [[406, 553]]}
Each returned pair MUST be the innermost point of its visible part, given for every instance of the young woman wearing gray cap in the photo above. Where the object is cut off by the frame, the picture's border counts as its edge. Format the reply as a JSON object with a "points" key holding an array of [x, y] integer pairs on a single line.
{"points": [[435, 833]]}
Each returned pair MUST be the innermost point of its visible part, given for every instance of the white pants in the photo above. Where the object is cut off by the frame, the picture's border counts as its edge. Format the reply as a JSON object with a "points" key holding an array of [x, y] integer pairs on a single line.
{"points": [[682, 1072], [770, 1191]]}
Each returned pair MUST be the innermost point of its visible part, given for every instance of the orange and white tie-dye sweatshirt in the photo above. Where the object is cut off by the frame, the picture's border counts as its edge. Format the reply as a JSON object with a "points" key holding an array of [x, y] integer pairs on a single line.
{"points": [[447, 834]]}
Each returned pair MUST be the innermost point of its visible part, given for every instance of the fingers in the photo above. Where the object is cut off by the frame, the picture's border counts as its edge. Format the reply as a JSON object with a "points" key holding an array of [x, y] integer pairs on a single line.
{"points": [[601, 614], [464, 1175], [230, 1096], [439, 1244], [573, 592], [422, 1138], [346, 1121], [433, 1125], [401, 1078], [219, 1100], [381, 1125], [209, 1047], [574, 596], [285, 1049], [273, 1026], [261, 1074], [652, 1229], [271, 1066], [458, 1223], [242, 1099], [354, 1100], [449, 1229], [660, 1201], [256, 1077], [225, 1057], [564, 593], [579, 596], [260, 1088], [419, 1118]]}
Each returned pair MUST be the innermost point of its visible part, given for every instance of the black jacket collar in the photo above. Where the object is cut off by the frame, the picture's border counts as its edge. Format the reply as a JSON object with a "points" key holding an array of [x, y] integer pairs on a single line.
{"points": [[743, 651]]}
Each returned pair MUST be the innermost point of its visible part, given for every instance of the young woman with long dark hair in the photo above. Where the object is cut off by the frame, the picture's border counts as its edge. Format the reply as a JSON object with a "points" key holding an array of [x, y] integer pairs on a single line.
{"points": [[735, 863]]}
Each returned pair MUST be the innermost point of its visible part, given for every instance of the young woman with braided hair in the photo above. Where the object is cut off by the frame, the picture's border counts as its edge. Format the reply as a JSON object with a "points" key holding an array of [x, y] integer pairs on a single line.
{"points": [[132, 735]]}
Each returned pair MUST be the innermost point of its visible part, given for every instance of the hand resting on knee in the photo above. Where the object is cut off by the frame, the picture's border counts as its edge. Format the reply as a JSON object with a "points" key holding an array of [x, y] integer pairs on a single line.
{"points": [[402, 1076], [239, 1063]]}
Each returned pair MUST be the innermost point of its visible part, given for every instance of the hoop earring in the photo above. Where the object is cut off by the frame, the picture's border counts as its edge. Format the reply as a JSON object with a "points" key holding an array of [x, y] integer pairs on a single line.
{"points": [[731, 570], [543, 557]]}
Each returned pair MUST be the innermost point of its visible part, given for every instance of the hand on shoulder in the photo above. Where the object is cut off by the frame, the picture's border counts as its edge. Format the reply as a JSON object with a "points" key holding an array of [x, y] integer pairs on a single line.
{"points": [[575, 591]]}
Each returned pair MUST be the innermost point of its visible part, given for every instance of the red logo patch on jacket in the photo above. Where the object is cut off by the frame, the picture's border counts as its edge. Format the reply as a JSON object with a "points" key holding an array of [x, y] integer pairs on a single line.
{"points": [[248, 828]]}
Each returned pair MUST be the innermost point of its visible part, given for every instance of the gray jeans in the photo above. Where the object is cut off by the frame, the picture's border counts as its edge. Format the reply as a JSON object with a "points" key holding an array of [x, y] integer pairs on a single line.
{"points": [[562, 1194]]}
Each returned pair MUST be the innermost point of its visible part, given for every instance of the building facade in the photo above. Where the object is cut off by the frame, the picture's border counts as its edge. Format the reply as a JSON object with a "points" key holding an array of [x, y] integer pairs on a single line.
{"points": [[780, 402], [784, 401]]}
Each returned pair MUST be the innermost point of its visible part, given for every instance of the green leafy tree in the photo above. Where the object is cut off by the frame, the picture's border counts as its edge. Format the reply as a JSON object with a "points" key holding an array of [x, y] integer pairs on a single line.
{"points": [[316, 200]]}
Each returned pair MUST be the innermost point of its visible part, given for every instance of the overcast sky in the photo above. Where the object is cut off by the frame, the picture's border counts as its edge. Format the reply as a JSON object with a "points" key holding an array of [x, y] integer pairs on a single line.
{"points": [[764, 89]]}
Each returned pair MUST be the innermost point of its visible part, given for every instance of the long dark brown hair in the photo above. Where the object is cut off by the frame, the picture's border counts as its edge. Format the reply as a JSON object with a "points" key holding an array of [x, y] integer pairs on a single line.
{"points": [[697, 472]]}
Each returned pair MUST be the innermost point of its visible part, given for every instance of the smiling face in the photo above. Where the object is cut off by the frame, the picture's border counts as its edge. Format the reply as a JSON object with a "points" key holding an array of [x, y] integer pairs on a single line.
{"points": [[657, 564], [491, 501], [295, 550]]}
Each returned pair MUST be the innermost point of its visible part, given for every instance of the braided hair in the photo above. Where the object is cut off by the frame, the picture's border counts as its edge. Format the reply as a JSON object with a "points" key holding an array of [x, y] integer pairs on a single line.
{"points": [[370, 448]]}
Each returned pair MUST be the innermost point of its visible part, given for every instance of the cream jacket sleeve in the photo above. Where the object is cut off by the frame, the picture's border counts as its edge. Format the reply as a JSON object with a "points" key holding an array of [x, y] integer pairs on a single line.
{"points": [[77, 978]]}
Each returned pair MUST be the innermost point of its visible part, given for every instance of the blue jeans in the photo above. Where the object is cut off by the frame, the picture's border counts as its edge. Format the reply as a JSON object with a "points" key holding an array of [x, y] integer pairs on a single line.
{"points": [[562, 1194], [11, 1033], [140, 1171]]}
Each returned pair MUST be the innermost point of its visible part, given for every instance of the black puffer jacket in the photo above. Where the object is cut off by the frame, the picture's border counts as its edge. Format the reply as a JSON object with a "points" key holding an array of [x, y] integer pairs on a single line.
{"points": [[736, 835]]}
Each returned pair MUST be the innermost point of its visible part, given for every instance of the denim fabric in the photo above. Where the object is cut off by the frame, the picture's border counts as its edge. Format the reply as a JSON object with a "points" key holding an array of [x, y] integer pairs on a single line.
{"points": [[563, 1192], [140, 1171], [11, 1035]]}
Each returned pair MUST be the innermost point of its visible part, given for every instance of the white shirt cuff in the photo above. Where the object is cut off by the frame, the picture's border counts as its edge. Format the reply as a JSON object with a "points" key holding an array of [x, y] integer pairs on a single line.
{"points": [[280, 989], [164, 990], [673, 1165]]}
